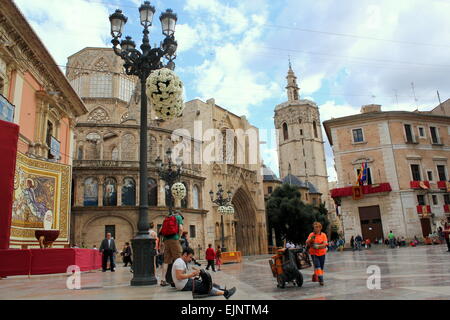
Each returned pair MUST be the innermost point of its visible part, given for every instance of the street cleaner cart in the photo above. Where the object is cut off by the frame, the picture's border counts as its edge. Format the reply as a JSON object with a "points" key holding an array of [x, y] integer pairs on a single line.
{"points": [[286, 266]]}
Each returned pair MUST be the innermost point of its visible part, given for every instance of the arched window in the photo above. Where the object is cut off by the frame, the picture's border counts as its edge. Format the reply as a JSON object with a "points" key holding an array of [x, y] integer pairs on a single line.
{"points": [[184, 202], [90, 192], [80, 153], [152, 193], [115, 154], [196, 195], [129, 192], [285, 131], [315, 129], [110, 192]]}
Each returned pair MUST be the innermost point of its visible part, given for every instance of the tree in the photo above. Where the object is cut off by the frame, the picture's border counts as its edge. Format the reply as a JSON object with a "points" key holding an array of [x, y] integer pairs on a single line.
{"points": [[291, 218]]}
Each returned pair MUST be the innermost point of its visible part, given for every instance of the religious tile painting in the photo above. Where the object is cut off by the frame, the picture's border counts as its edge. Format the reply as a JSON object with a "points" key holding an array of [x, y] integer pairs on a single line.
{"points": [[41, 200]]}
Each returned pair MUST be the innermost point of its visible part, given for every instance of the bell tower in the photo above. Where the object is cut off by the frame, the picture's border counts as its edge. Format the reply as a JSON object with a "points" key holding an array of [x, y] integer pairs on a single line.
{"points": [[301, 150]]}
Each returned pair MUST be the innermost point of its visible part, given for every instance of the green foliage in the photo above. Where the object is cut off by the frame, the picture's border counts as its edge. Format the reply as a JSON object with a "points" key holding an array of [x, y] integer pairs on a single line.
{"points": [[290, 217]]}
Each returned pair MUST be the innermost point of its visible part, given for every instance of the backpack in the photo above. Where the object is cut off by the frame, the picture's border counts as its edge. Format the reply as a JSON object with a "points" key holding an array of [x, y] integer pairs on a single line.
{"points": [[170, 226]]}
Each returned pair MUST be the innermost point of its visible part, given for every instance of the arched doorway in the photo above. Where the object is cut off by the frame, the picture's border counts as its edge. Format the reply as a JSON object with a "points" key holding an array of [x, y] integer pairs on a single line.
{"points": [[246, 238]]}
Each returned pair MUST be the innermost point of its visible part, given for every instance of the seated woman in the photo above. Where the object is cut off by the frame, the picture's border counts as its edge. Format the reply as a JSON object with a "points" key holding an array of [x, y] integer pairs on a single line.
{"points": [[184, 278]]}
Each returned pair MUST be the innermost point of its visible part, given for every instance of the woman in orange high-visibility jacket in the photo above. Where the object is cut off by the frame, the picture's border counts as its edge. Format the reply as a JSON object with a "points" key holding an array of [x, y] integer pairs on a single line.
{"points": [[318, 242]]}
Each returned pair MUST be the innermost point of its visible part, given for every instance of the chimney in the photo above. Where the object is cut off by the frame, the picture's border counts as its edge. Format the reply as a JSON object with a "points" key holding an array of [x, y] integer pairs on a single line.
{"points": [[371, 108]]}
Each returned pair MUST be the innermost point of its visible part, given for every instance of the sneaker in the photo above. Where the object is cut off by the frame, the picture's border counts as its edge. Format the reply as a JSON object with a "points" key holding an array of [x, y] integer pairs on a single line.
{"points": [[229, 293], [163, 283], [321, 283]]}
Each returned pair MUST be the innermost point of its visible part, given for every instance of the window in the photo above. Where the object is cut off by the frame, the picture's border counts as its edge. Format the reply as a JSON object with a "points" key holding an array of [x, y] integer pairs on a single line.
{"points": [[434, 135], [192, 232], [285, 131], [447, 198], [77, 84], [315, 130], [129, 192], [421, 200], [115, 154], [110, 192], [430, 175], [415, 170], [126, 89], [90, 192], [101, 85], [441, 173], [435, 200], [358, 135], [270, 190], [184, 201], [152, 193], [196, 198], [408, 132], [80, 153], [301, 132], [110, 229], [422, 132]]}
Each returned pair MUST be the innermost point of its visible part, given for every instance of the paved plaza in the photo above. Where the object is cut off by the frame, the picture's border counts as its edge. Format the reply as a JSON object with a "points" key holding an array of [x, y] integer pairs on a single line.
{"points": [[406, 273]]}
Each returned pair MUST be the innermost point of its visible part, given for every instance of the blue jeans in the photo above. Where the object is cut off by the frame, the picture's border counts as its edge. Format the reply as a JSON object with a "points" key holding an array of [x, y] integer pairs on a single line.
{"points": [[319, 263]]}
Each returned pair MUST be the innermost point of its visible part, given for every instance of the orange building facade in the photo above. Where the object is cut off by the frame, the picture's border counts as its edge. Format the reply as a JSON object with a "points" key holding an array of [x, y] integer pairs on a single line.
{"points": [[35, 94]]}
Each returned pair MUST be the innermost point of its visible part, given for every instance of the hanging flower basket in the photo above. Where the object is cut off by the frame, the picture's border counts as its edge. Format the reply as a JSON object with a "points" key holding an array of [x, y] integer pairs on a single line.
{"points": [[222, 210], [165, 92], [179, 191], [230, 210]]}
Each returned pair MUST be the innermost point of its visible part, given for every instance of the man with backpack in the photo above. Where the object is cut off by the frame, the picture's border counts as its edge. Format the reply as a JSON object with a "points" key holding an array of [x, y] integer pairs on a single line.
{"points": [[171, 231]]}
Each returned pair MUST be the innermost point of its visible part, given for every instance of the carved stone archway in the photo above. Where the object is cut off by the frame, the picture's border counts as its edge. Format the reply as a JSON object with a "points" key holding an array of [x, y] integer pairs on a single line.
{"points": [[245, 213]]}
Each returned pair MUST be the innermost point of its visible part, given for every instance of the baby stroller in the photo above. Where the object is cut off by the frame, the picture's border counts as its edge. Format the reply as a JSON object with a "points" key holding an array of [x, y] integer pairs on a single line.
{"points": [[286, 266]]}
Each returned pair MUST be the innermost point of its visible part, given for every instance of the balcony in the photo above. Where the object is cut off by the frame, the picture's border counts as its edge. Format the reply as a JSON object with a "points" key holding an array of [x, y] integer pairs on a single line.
{"points": [[442, 185], [370, 189], [79, 164], [425, 210], [420, 185]]}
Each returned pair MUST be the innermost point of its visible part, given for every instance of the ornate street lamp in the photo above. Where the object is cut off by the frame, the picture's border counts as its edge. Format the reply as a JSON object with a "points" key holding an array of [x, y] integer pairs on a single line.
{"points": [[141, 64], [225, 207], [170, 173]]}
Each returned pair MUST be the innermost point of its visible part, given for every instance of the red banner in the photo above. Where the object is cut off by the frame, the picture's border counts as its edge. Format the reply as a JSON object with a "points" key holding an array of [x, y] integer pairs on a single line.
{"points": [[9, 136]]}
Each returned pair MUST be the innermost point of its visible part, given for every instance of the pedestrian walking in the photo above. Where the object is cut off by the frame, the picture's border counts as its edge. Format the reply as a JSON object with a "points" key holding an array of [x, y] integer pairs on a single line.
{"points": [[218, 257], [210, 257], [391, 238], [358, 242], [318, 242], [171, 231], [108, 248], [126, 254], [352, 243]]}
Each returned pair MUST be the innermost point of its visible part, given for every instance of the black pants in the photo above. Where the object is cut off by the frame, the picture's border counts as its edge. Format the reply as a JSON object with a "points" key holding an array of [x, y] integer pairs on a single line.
{"points": [[127, 260], [211, 263], [448, 243], [169, 278], [108, 254]]}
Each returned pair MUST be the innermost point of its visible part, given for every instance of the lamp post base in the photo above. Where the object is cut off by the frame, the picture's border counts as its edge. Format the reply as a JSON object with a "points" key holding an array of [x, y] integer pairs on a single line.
{"points": [[144, 262]]}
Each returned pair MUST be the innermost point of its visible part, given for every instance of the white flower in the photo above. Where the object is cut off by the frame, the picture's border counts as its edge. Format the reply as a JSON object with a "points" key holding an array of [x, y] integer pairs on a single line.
{"points": [[178, 191]]}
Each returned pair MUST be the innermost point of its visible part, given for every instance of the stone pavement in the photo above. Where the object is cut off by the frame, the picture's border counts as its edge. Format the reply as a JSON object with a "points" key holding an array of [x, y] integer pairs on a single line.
{"points": [[406, 273]]}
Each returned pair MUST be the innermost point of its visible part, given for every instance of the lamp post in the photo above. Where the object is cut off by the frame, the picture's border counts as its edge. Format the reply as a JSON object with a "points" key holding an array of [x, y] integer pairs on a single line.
{"points": [[141, 64], [225, 207], [170, 173]]}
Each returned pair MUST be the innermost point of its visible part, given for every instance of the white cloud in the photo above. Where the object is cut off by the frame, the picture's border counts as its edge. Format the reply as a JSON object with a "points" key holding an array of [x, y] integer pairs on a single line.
{"points": [[66, 27]]}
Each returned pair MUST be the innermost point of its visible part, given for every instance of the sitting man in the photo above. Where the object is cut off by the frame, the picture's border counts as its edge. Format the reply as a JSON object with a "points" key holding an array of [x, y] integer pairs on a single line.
{"points": [[184, 278]]}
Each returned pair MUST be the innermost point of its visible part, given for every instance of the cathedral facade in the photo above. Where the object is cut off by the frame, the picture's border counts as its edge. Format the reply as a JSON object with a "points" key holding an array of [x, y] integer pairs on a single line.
{"points": [[301, 151], [106, 163]]}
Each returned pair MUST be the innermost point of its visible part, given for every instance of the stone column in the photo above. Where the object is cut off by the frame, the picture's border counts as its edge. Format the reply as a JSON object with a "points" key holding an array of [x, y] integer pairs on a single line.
{"points": [[100, 191], [119, 191], [190, 203], [161, 193]]}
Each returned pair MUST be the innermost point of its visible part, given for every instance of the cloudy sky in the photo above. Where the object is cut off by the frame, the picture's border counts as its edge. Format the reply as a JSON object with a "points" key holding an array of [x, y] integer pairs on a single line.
{"points": [[345, 53]]}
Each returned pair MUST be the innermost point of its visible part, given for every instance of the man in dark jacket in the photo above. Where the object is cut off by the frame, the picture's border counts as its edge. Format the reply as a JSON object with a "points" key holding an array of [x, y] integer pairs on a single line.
{"points": [[108, 248]]}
